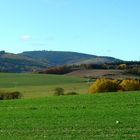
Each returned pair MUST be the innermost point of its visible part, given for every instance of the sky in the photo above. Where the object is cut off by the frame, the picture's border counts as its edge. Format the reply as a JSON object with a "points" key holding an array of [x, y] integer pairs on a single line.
{"points": [[99, 27]]}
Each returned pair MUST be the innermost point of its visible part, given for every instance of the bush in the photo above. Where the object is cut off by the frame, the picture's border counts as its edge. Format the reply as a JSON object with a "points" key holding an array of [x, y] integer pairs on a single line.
{"points": [[130, 85], [6, 95], [122, 66], [72, 93], [104, 85], [107, 85], [59, 91], [57, 70]]}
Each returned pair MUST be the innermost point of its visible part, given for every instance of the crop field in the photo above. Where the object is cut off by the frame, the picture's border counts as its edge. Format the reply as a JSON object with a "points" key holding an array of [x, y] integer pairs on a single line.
{"points": [[114, 116], [100, 73], [40, 85]]}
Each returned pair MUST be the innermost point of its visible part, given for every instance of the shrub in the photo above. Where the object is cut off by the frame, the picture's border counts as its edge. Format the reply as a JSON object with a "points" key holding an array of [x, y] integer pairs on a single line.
{"points": [[130, 85], [122, 66], [104, 85], [57, 70], [59, 91], [72, 93], [107, 85], [6, 95]]}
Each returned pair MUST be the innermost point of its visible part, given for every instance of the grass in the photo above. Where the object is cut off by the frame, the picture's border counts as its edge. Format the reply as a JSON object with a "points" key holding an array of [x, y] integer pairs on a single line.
{"points": [[28, 79], [40, 85], [81, 117]]}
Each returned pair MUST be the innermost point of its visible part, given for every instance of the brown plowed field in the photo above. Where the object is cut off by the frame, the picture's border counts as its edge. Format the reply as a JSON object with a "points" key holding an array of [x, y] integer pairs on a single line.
{"points": [[114, 74]]}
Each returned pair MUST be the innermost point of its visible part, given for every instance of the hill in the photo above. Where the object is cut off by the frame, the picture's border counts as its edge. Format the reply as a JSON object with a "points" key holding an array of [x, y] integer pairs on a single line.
{"points": [[61, 58], [34, 60], [99, 60], [10, 62], [113, 116], [57, 57]]}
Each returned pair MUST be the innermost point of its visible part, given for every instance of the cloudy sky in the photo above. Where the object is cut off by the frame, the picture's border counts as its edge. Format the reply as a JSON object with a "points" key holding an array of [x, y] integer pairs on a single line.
{"points": [[100, 27]]}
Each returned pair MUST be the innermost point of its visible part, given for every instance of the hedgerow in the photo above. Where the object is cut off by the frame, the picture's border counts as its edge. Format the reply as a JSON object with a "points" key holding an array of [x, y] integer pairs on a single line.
{"points": [[7, 95]]}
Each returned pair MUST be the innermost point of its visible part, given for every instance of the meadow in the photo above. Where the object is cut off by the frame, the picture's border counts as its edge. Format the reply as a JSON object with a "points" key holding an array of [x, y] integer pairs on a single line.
{"points": [[108, 116], [39, 115], [40, 85]]}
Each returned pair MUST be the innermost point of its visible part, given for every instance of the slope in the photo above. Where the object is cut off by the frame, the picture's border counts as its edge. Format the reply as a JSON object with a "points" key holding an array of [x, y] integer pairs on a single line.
{"points": [[61, 58], [83, 117]]}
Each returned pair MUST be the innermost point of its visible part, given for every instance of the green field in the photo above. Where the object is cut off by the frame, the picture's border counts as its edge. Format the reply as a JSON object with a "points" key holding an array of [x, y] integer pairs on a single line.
{"points": [[40, 85], [38, 116], [81, 117]]}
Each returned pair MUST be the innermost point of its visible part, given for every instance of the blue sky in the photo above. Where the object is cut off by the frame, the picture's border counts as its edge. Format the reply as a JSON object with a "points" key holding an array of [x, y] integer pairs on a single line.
{"points": [[99, 27]]}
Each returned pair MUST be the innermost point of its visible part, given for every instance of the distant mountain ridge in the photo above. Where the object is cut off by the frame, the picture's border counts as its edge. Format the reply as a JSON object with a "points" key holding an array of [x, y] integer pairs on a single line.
{"points": [[57, 57], [62, 57], [32, 60]]}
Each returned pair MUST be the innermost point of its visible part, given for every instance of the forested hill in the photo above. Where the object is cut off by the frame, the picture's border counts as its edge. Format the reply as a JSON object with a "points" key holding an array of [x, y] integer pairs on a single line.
{"points": [[61, 57], [10, 62], [32, 60]]}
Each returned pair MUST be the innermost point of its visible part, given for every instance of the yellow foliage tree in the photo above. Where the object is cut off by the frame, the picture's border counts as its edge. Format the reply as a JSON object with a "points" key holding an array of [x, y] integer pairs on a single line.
{"points": [[122, 66], [130, 85], [104, 85]]}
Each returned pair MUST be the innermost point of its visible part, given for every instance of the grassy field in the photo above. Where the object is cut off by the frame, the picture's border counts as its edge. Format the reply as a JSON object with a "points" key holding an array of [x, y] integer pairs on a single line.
{"points": [[81, 117], [114, 116], [40, 85]]}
